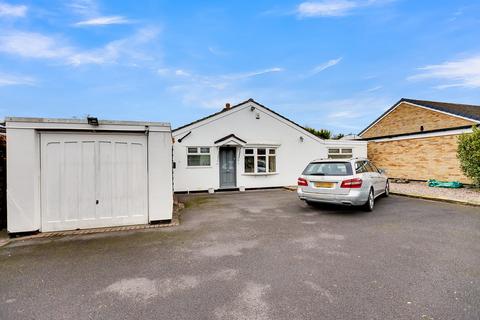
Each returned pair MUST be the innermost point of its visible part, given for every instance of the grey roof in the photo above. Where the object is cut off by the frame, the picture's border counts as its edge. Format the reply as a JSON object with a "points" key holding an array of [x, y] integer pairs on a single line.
{"points": [[463, 110]]}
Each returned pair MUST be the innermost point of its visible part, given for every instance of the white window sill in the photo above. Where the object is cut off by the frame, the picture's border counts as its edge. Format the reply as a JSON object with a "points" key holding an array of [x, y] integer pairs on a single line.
{"points": [[260, 174], [198, 167]]}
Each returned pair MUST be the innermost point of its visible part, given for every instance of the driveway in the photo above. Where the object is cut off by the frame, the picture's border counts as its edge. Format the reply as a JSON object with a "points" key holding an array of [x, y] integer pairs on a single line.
{"points": [[258, 255]]}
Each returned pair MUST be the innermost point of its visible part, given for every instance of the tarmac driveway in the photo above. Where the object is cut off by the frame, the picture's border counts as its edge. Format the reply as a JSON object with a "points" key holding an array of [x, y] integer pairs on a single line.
{"points": [[258, 255]]}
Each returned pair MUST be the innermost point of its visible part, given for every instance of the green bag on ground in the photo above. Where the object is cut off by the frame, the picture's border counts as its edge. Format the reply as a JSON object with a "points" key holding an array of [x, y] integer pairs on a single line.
{"points": [[444, 184]]}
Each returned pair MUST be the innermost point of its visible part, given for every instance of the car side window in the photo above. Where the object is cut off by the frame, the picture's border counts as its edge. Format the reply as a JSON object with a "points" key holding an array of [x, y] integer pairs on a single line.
{"points": [[360, 167], [370, 167], [375, 169]]}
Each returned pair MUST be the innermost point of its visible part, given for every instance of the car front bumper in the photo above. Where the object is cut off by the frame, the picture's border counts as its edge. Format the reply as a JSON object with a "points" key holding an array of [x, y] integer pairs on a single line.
{"points": [[353, 198]]}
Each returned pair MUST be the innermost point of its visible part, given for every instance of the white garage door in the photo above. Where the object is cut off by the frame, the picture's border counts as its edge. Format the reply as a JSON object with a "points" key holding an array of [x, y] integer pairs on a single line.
{"points": [[93, 180]]}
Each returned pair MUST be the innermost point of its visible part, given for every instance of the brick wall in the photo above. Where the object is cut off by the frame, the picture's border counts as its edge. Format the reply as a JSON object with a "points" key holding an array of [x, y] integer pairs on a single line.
{"points": [[407, 119], [419, 159]]}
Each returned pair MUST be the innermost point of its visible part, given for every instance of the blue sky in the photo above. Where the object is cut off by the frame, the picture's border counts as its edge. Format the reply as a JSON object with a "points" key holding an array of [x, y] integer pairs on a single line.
{"points": [[334, 64]]}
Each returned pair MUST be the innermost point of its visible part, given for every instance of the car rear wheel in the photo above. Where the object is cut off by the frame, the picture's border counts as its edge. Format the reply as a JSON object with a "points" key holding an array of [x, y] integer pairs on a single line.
{"points": [[370, 204], [310, 203]]}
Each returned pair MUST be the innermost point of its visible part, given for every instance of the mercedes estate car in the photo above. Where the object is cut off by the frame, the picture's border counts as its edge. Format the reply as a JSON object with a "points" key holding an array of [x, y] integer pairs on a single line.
{"points": [[355, 182]]}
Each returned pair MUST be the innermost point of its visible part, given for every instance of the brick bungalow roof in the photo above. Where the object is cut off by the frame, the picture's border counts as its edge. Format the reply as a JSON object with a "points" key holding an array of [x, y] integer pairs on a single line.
{"points": [[463, 110]]}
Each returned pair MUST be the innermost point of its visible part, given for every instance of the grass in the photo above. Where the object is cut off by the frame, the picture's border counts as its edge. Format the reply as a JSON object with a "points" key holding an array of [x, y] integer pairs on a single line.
{"points": [[196, 201]]}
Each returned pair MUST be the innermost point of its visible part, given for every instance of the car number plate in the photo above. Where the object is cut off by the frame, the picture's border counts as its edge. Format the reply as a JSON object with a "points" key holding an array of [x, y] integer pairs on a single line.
{"points": [[324, 184]]}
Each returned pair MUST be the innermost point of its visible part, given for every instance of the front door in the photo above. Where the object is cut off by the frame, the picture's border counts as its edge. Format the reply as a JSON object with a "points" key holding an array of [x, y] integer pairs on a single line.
{"points": [[228, 167]]}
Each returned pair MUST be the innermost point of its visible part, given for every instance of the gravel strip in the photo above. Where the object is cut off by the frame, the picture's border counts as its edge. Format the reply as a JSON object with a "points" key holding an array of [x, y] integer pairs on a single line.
{"points": [[421, 189]]}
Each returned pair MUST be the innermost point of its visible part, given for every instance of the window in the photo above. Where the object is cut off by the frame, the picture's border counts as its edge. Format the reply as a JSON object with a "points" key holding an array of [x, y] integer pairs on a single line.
{"points": [[198, 156], [337, 153], [260, 160], [328, 169], [372, 168], [361, 167]]}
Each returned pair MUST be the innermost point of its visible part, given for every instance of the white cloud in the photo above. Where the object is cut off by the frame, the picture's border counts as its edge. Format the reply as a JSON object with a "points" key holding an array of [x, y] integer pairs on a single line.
{"points": [[127, 48], [216, 51], [86, 8], [102, 21], [210, 91], [376, 88], [350, 114], [334, 8], [326, 65], [39, 46], [251, 74], [343, 115], [207, 79], [32, 45], [459, 73], [329, 8], [10, 80], [9, 10], [89, 10], [182, 73]]}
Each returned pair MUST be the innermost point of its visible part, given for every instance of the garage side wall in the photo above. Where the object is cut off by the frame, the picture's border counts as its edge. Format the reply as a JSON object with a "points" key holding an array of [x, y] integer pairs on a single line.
{"points": [[160, 186], [23, 188], [419, 159]]}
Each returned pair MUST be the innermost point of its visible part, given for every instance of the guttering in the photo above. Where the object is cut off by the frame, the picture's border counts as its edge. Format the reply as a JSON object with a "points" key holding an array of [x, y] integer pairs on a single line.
{"points": [[422, 134]]}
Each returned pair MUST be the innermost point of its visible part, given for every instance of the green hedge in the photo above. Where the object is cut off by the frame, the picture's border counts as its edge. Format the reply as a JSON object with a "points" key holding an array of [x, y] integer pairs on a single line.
{"points": [[469, 154]]}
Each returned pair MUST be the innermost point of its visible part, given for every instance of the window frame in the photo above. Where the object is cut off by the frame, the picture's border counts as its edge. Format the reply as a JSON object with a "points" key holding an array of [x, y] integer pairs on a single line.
{"points": [[199, 152], [339, 153], [363, 164], [270, 152]]}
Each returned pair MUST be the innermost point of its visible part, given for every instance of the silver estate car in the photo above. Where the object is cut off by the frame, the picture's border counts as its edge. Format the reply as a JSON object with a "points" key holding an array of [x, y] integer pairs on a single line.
{"points": [[355, 182]]}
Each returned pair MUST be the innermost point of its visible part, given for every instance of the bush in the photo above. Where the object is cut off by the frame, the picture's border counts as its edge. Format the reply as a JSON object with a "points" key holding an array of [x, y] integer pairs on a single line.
{"points": [[469, 154], [322, 133]]}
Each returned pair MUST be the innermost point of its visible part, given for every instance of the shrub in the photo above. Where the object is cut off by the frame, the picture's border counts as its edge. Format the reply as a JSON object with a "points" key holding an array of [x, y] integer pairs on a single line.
{"points": [[322, 133], [469, 154]]}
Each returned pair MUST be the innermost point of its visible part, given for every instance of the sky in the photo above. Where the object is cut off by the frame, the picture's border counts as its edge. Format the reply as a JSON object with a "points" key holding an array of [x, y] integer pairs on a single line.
{"points": [[332, 64]]}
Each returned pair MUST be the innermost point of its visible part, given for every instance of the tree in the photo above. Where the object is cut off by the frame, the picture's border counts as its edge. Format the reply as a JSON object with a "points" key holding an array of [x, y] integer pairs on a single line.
{"points": [[322, 133], [468, 153]]}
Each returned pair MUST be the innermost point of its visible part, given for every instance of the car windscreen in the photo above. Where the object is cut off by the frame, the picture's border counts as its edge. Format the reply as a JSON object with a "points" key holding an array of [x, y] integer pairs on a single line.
{"points": [[328, 169]]}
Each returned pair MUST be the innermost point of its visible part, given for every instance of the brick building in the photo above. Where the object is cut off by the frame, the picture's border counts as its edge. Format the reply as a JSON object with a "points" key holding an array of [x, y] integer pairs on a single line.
{"points": [[417, 139]]}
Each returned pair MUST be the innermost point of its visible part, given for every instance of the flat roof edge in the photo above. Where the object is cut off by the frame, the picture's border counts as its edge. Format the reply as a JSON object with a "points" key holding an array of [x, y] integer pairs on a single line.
{"points": [[84, 121]]}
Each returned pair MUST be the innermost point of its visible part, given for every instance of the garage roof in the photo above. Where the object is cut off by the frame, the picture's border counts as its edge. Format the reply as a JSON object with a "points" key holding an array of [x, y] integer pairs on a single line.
{"points": [[82, 124]]}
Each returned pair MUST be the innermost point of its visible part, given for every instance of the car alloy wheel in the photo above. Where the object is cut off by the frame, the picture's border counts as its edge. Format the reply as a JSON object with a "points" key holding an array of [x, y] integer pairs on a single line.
{"points": [[370, 202]]}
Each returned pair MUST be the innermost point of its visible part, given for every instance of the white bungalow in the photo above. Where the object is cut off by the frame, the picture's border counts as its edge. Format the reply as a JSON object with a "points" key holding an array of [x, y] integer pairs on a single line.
{"points": [[248, 146]]}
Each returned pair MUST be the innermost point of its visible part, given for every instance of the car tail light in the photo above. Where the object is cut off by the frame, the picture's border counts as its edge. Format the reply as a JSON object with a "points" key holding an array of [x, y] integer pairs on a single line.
{"points": [[302, 182], [351, 183]]}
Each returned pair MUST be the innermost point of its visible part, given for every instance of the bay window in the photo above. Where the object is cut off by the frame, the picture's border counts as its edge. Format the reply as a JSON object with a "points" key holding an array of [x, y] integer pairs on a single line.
{"points": [[260, 160]]}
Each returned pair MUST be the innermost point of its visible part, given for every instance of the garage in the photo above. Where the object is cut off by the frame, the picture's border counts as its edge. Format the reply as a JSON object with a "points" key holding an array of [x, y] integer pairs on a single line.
{"points": [[75, 174]]}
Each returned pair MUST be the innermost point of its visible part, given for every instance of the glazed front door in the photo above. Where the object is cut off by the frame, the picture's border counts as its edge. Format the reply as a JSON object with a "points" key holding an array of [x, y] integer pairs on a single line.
{"points": [[228, 167]]}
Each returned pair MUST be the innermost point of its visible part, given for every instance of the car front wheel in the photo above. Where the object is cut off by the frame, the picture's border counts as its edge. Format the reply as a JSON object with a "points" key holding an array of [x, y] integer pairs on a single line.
{"points": [[370, 202], [387, 189]]}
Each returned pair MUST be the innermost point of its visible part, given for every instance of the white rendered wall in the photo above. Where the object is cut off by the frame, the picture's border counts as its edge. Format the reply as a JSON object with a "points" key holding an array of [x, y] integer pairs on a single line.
{"points": [[23, 188], [160, 197], [293, 154]]}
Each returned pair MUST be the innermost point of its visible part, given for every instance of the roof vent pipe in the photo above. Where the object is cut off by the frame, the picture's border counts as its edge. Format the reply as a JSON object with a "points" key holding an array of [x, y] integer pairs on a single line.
{"points": [[227, 106]]}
